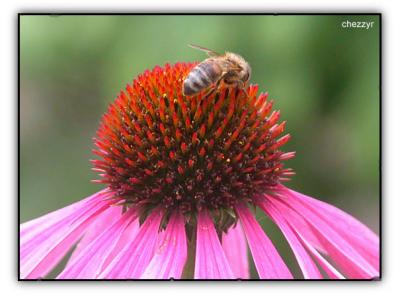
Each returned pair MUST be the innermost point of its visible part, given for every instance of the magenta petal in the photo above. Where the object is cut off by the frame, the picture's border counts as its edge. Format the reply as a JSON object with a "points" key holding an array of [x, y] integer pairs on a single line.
{"points": [[36, 226], [46, 240], [103, 221], [268, 262], [36, 233], [296, 222], [326, 266], [211, 262], [350, 261], [89, 262], [127, 236], [170, 256], [307, 265], [135, 256], [235, 248], [357, 234]]}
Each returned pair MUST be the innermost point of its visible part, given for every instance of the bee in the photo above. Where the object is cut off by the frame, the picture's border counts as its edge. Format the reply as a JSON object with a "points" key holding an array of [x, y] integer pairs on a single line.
{"points": [[229, 68]]}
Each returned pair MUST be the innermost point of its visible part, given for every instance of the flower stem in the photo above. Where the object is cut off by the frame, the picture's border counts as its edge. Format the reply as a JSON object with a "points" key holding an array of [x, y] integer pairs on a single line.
{"points": [[188, 270]]}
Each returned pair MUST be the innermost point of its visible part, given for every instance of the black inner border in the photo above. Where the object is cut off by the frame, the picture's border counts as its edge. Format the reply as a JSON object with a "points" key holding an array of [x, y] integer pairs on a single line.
{"points": [[379, 278]]}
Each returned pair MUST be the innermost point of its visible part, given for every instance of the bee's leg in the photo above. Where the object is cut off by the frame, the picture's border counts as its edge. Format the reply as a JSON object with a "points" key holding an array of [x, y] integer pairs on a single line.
{"points": [[215, 86], [209, 90], [218, 83], [242, 86]]}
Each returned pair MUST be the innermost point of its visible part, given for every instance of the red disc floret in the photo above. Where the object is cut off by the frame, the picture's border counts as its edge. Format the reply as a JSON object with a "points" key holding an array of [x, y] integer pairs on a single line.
{"points": [[157, 147]]}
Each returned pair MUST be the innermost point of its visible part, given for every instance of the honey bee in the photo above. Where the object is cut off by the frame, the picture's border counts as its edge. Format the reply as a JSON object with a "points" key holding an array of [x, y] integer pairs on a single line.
{"points": [[229, 68]]}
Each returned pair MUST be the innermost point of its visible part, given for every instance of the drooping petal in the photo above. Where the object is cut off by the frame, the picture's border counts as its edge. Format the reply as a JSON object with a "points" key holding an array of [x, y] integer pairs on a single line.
{"points": [[309, 234], [34, 236], [170, 256], [351, 262], [268, 262], [296, 222], [126, 237], [211, 262], [89, 262], [102, 222], [41, 251], [357, 234], [33, 227], [332, 272], [134, 257], [235, 248], [307, 265]]}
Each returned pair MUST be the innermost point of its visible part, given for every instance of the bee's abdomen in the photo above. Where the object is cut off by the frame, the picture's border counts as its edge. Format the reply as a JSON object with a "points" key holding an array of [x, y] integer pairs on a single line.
{"points": [[202, 76]]}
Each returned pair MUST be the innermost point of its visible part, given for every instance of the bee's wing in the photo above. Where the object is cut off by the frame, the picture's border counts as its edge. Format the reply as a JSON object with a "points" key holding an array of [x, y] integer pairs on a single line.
{"points": [[208, 51]]}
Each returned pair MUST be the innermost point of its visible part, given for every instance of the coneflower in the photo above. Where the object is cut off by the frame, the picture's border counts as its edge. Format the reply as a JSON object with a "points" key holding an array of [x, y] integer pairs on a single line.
{"points": [[183, 178]]}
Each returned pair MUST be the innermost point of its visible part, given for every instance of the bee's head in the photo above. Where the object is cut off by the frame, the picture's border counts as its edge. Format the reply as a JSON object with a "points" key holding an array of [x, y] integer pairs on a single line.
{"points": [[246, 72]]}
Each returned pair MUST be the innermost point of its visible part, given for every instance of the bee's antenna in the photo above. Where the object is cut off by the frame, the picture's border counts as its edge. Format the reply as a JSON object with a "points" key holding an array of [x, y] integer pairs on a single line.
{"points": [[208, 51]]}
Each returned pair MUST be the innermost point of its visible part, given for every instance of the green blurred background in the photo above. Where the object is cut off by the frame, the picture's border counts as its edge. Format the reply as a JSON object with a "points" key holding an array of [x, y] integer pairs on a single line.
{"points": [[324, 78]]}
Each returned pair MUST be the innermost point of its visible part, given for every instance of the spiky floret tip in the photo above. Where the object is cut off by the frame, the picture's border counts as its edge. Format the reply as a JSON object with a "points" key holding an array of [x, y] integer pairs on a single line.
{"points": [[157, 147]]}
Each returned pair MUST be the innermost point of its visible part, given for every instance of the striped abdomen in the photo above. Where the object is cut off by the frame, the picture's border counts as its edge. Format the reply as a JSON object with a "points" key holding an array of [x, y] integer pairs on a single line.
{"points": [[201, 77]]}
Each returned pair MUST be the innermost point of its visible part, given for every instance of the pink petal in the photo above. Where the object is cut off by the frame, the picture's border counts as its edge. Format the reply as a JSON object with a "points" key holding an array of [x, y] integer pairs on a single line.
{"points": [[235, 248], [36, 230], [266, 258], [341, 251], [307, 265], [327, 267], [89, 262], [103, 221], [332, 272], [126, 237], [170, 256], [31, 228], [41, 251], [308, 233], [211, 262], [357, 234], [296, 222], [133, 259]]}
